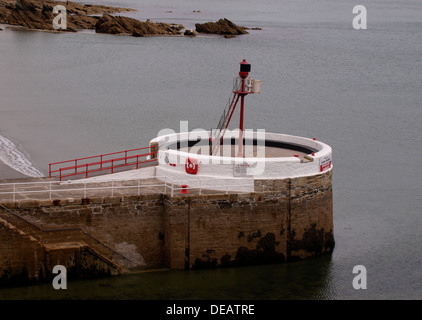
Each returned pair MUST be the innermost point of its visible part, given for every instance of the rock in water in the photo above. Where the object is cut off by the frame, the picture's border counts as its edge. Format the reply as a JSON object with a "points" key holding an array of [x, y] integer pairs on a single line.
{"points": [[129, 26], [192, 33], [108, 24], [37, 14], [30, 15], [222, 26]]}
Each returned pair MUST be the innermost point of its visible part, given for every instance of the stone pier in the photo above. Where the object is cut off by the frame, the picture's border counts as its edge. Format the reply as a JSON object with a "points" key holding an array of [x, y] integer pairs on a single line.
{"points": [[283, 220]]}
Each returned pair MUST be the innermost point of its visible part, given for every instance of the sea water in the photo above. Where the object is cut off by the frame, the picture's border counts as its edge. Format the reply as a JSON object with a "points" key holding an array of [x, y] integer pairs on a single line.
{"points": [[70, 95]]}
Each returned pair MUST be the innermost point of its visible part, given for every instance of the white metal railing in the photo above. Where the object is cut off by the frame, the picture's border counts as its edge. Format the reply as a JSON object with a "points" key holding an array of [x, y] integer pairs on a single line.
{"points": [[111, 187]]}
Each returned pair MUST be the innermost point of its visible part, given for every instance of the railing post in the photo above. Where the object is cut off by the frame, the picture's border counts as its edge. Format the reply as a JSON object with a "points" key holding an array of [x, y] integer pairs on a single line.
{"points": [[76, 165], [126, 157], [85, 190], [60, 174], [86, 170], [112, 188], [49, 170], [101, 162], [112, 166], [137, 161]]}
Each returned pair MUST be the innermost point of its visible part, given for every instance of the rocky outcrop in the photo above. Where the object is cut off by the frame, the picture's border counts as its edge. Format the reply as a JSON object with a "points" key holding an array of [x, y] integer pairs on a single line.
{"points": [[129, 26], [38, 14], [222, 27], [31, 15], [189, 32]]}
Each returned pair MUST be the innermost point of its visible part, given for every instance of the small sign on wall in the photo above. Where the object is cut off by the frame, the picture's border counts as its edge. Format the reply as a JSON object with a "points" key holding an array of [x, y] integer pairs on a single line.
{"points": [[325, 163], [240, 169]]}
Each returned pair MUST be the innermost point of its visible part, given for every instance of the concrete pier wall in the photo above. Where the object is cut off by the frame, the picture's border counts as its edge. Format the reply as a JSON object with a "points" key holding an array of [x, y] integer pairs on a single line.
{"points": [[282, 220]]}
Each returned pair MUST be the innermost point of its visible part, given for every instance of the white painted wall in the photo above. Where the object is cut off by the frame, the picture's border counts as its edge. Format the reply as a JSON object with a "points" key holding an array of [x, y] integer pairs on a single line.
{"points": [[221, 169]]}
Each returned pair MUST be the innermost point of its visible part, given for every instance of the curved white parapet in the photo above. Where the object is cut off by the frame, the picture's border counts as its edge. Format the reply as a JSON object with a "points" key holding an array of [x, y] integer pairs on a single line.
{"points": [[237, 171]]}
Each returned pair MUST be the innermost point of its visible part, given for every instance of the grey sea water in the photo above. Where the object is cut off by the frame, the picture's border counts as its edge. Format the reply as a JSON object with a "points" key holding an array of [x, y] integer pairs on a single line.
{"points": [[64, 96]]}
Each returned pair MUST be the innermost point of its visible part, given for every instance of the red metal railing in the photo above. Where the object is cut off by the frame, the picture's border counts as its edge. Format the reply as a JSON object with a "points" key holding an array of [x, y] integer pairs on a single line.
{"points": [[106, 162]]}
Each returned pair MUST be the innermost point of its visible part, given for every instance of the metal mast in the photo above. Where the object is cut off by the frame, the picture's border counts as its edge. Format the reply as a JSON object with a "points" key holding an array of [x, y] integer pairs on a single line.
{"points": [[242, 86]]}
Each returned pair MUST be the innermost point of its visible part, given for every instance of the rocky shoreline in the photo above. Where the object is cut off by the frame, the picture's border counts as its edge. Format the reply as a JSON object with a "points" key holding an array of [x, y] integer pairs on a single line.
{"points": [[38, 15], [129, 26], [223, 27]]}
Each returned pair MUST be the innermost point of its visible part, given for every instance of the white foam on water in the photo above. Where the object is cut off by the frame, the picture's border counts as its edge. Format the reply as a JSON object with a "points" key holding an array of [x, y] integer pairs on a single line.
{"points": [[15, 159]]}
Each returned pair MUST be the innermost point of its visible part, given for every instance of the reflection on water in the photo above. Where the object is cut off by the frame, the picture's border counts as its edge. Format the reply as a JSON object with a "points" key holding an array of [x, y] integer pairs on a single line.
{"points": [[297, 280]]}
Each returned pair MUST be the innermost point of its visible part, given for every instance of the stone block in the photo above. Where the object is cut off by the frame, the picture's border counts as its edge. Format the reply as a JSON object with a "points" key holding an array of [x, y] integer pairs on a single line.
{"points": [[29, 204], [112, 199]]}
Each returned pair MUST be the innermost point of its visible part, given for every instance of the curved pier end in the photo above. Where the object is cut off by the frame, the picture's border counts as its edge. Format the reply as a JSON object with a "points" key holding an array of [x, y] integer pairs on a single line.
{"points": [[291, 220], [279, 213]]}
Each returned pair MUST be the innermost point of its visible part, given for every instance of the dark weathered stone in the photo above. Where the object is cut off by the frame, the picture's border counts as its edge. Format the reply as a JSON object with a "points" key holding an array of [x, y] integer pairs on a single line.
{"points": [[129, 26], [222, 26], [37, 14]]}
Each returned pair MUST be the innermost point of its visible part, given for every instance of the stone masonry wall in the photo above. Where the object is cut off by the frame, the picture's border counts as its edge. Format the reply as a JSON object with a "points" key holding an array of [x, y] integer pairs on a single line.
{"points": [[21, 256], [283, 220]]}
